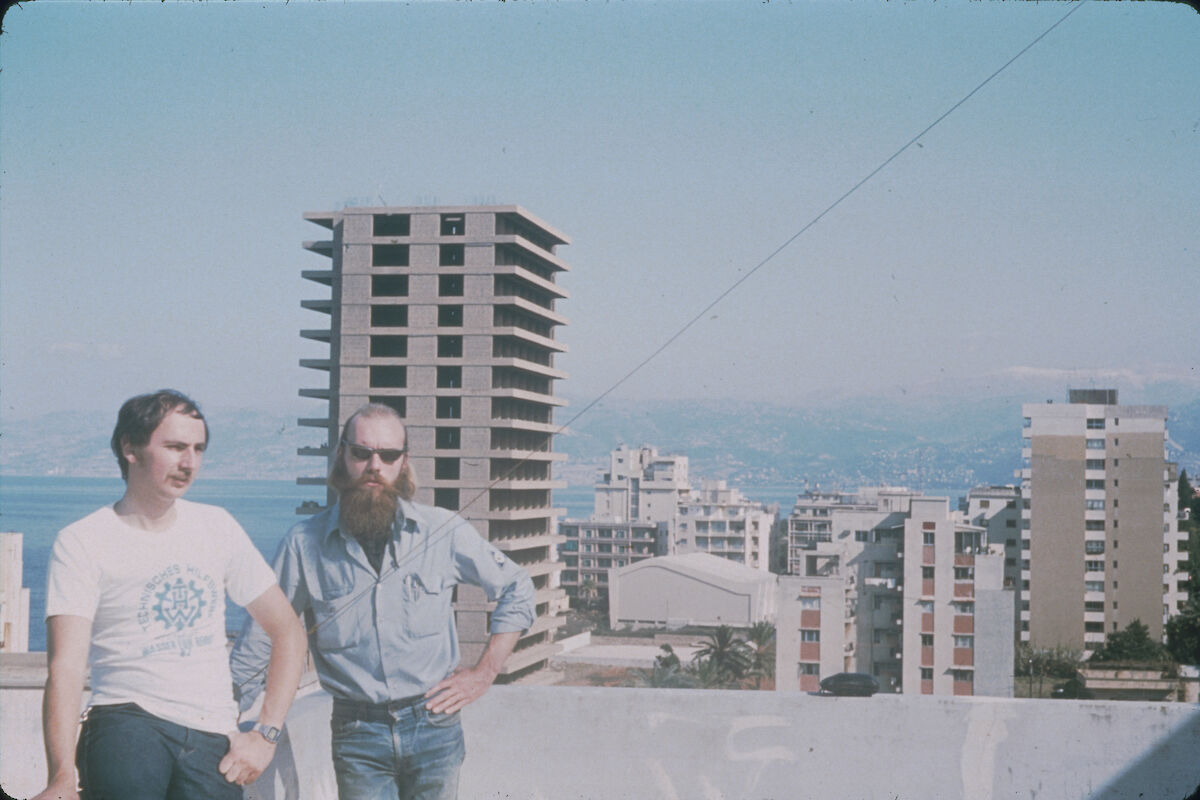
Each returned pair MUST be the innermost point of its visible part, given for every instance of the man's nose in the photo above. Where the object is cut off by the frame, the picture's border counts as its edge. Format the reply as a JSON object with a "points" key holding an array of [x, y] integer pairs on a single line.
{"points": [[189, 459], [375, 462]]}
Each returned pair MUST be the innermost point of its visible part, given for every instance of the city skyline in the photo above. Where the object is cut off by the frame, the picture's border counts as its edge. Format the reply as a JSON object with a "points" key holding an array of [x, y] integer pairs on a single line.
{"points": [[157, 161]]}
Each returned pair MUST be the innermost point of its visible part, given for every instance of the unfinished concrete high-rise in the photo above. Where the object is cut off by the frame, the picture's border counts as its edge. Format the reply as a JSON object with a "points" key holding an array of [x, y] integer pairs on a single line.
{"points": [[447, 314], [1099, 521]]}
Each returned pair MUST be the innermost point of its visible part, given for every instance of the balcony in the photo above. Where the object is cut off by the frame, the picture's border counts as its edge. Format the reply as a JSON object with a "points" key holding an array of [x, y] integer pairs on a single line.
{"points": [[684, 743]]}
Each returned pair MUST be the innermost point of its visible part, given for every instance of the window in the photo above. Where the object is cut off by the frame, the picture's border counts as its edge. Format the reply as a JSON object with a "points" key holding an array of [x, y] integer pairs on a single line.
{"points": [[397, 404], [446, 498], [862, 536], [1095, 444], [389, 316], [810, 636], [1010, 523], [450, 316], [447, 438], [1093, 586], [449, 407], [449, 346], [808, 669], [389, 346], [453, 225], [1094, 505], [389, 377], [450, 285], [1095, 424], [927, 672], [390, 225], [966, 609], [451, 255], [810, 603], [1095, 606], [927, 573], [964, 573], [927, 538], [389, 255], [926, 640], [1093, 566], [1094, 463], [1093, 548], [1093, 627], [1093, 525], [1093, 483], [449, 377], [445, 469], [965, 641], [389, 285]]}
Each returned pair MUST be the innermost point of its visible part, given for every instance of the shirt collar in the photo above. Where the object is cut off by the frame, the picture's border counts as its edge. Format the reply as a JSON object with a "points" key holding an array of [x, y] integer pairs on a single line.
{"points": [[409, 519]]}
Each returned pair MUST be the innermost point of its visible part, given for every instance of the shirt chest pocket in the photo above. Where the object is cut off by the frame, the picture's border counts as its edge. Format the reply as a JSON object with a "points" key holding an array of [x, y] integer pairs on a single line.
{"points": [[427, 607], [339, 614]]}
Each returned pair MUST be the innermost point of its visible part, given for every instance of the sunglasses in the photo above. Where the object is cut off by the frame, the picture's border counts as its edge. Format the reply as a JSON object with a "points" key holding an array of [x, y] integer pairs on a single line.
{"points": [[387, 455]]}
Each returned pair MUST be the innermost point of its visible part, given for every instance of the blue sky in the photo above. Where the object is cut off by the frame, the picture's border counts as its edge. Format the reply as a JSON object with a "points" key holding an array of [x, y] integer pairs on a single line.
{"points": [[156, 160]]}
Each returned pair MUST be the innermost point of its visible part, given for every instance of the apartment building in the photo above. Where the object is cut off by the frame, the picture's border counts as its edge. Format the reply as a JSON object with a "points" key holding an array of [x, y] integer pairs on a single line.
{"points": [[997, 509], [640, 484], [447, 314], [591, 548], [1099, 518], [720, 520], [897, 585], [14, 595]]}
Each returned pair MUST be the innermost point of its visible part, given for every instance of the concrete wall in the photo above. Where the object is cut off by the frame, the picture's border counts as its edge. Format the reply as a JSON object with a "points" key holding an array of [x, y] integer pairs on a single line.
{"points": [[559, 742]]}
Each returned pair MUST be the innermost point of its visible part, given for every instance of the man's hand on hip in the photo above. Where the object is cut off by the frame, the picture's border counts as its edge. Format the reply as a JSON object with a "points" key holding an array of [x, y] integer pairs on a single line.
{"points": [[249, 754], [463, 687]]}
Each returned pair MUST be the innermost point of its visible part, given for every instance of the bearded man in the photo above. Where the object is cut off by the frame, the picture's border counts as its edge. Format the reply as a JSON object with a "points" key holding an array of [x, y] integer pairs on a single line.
{"points": [[374, 576]]}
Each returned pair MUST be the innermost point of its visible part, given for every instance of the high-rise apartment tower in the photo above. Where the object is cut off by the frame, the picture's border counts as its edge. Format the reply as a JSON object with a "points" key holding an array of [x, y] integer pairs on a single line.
{"points": [[448, 315], [1099, 521]]}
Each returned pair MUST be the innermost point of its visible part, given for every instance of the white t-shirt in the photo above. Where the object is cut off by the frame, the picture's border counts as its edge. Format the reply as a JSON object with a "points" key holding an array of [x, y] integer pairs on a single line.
{"points": [[157, 604]]}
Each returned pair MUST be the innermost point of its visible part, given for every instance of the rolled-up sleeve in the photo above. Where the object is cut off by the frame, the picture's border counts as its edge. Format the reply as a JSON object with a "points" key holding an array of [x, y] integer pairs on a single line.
{"points": [[508, 585]]}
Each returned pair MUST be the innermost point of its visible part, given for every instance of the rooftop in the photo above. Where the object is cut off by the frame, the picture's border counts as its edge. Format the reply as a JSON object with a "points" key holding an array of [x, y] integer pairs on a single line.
{"points": [[582, 742]]}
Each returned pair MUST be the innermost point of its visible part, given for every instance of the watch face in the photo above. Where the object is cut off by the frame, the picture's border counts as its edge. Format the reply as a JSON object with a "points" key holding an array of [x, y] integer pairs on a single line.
{"points": [[269, 733]]}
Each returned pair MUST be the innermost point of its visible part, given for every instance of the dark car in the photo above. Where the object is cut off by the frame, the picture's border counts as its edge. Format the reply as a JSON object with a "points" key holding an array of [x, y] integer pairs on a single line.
{"points": [[858, 684]]}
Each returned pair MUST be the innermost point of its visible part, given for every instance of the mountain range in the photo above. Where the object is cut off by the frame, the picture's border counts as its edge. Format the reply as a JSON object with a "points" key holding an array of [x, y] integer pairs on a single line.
{"points": [[948, 444]]}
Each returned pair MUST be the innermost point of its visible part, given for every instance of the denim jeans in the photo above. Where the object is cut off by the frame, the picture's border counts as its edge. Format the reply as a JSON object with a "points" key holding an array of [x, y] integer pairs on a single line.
{"points": [[126, 753], [403, 753]]}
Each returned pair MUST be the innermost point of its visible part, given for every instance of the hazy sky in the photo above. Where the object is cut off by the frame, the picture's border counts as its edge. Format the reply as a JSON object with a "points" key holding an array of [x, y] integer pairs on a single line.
{"points": [[156, 160]]}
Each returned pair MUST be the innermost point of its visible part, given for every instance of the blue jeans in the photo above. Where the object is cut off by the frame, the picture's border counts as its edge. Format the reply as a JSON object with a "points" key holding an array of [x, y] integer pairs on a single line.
{"points": [[126, 753], [395, 752]]}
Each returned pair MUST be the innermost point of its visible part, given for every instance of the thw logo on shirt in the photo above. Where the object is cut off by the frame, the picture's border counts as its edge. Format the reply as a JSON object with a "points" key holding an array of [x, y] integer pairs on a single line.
{"points": [[179, 605]]}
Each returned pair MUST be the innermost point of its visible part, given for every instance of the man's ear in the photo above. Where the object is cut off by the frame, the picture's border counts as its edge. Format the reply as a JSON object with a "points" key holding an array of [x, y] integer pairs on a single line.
{"points": [[127, 451]]}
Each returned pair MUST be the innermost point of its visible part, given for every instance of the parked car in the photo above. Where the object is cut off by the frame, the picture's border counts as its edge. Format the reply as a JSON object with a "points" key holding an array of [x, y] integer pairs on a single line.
{"points": [[850, 683]]}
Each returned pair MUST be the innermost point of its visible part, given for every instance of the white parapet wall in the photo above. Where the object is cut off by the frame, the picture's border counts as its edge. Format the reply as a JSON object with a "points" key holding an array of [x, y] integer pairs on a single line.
{"points": [[573, 743]]}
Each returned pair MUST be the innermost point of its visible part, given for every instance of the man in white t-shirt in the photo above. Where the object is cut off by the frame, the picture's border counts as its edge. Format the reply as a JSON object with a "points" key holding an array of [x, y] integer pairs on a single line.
{"points": [[136, 591]]}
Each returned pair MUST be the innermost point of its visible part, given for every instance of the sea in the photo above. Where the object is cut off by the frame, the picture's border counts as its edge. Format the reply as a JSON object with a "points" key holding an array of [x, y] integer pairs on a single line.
{"points": [[39, 507]]}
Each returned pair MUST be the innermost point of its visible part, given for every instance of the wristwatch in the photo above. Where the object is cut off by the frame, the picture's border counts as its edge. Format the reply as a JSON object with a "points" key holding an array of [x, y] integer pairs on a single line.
{"points": [[271, 734]]}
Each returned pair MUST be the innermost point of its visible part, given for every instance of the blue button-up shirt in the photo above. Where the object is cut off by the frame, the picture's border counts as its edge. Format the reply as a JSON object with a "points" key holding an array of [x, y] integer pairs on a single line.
{"points": [[383, 636]]}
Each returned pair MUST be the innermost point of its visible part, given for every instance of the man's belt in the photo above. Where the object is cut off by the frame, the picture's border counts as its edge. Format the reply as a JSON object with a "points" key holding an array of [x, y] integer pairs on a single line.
{"points": [[374, 712]]}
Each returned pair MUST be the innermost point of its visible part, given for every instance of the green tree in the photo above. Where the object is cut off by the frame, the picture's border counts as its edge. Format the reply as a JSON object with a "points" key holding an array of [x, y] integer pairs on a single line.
{"points": [[761, 639], [725, 655], [1131, 644], [1032, 667], [1183, 634]]}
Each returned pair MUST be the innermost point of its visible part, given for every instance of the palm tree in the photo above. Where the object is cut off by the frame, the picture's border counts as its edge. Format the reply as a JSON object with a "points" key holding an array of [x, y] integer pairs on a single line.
{"points": [[588, 590], [761, 637], [724, 653]]}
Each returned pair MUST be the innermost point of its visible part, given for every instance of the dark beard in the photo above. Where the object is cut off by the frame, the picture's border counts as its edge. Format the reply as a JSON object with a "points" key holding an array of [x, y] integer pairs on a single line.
{"points": [[368, 513]]}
